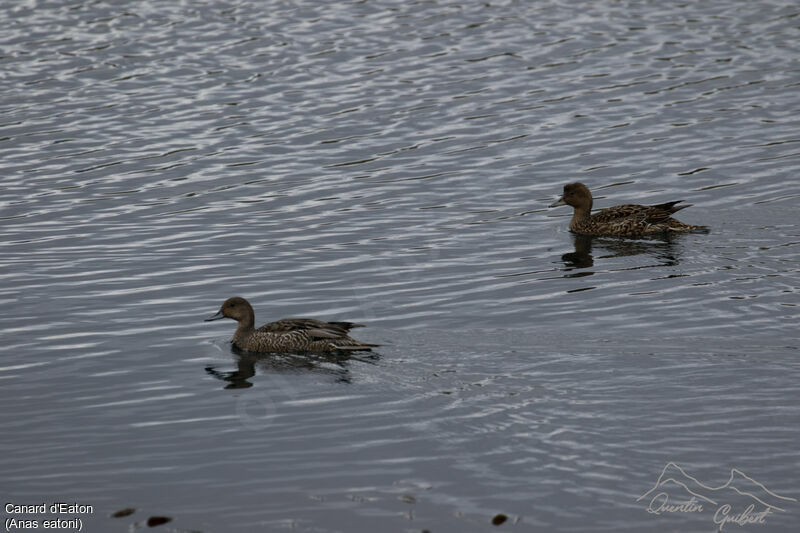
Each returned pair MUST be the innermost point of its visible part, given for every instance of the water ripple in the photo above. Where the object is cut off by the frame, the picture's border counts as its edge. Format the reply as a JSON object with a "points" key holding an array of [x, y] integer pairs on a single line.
{"points": [[392, 164]]}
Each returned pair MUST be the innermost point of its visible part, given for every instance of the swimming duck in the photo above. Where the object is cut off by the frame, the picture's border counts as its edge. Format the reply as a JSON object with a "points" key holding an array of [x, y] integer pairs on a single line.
{"points": [[629, 220], [288, 334]]}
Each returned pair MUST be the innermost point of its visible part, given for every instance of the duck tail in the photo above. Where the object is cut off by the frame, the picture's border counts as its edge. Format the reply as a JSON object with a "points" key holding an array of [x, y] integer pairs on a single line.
{"points": [[680, 227], [699, 229], [671, 207], [347, 325], [352, 345]]}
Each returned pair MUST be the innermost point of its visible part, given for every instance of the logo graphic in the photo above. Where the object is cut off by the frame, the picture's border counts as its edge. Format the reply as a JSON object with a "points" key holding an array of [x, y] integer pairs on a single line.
{"points": [[741, 500]]}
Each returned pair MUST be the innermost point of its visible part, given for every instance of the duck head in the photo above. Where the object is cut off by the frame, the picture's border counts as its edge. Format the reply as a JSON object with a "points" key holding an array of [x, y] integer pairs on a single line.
{"points": [[576, 195], [236, 308]]}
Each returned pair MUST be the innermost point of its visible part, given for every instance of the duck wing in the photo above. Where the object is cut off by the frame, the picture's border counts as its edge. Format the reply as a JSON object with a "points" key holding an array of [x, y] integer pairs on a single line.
{"points": [[313, 328], [662, 212], [616, 214], [645, 214]]}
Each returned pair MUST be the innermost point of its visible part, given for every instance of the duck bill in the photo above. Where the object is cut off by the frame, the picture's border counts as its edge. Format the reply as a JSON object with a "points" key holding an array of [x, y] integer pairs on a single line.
{"points": [[218, 316], [558, 202]]}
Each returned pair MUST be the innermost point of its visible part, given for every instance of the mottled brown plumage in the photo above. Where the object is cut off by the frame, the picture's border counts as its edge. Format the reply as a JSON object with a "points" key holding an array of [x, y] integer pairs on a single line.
{"points": [[629, 220], [288, 334]]}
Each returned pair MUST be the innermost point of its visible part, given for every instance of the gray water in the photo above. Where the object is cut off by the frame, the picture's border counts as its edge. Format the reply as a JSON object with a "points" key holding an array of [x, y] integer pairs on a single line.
{"points": [[390, 163]]}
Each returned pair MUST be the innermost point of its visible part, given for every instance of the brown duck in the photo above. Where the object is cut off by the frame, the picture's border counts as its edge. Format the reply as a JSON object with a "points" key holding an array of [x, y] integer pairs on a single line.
{"points": [[289, 334], [629, 220]]}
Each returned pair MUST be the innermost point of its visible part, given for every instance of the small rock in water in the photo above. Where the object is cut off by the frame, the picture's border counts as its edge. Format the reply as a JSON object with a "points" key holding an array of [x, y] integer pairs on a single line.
{"points": [[499, 518], [154, 521], [124, 512]]}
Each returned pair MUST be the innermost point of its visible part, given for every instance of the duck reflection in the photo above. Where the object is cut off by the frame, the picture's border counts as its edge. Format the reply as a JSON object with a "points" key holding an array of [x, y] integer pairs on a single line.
{"points": [[334, 365], [664, 249]]}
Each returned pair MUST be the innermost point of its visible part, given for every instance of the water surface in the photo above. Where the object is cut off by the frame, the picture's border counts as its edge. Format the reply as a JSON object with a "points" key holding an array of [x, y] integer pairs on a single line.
{"points": [[391, 164]]}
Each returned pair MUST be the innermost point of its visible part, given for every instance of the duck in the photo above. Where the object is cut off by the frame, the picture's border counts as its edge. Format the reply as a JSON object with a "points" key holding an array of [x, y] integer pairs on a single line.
{"points": [[288, 335], [629, 220]]}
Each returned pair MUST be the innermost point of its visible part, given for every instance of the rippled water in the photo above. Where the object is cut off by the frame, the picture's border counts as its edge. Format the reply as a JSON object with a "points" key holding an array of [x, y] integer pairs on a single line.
{"points": [[391, 163]]}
